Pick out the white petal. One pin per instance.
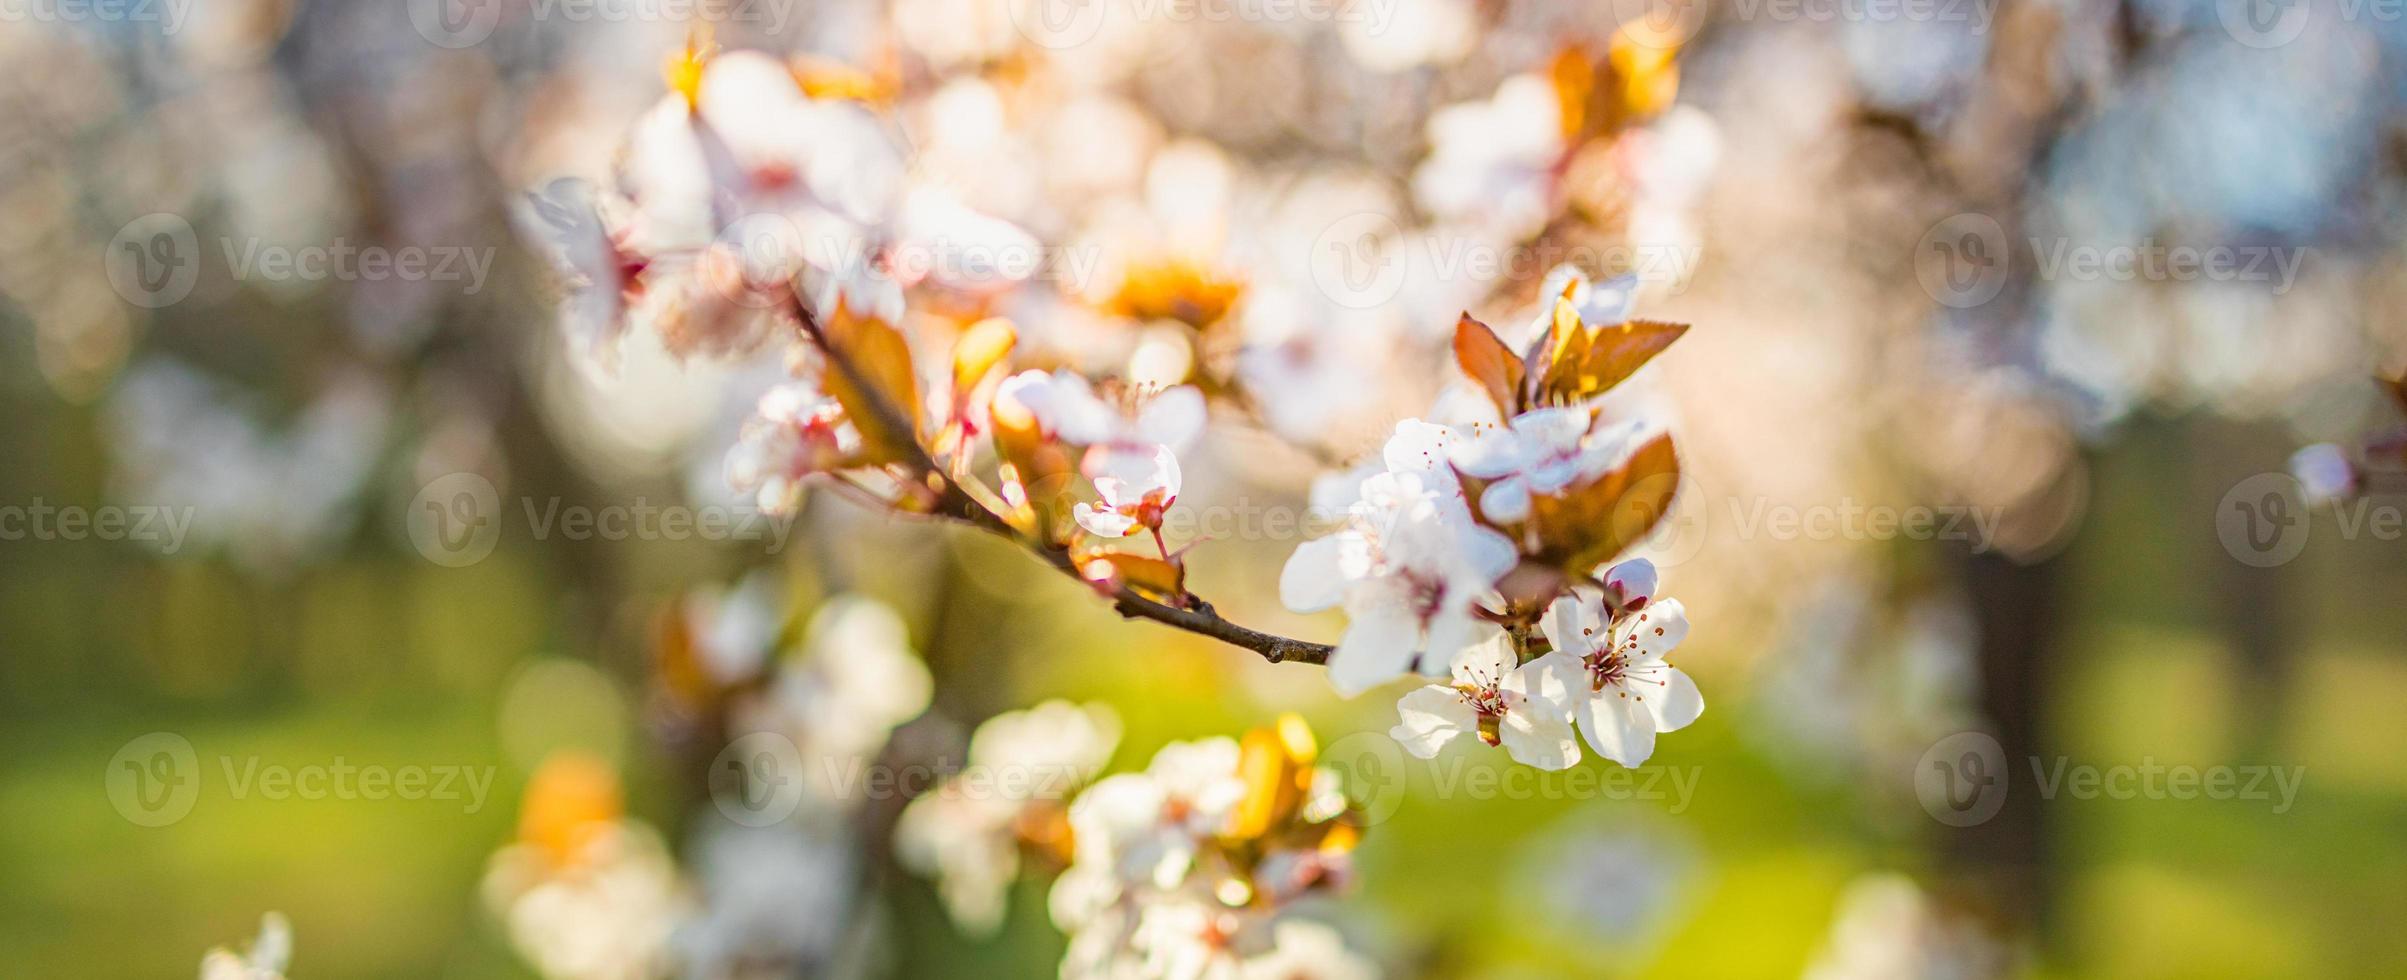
(1430, 717)
(1551, 685)
(1631, 582)
(1173, 418)
(1572, 623)
(1488, 555)
(1313, 579)
(1484, 664)
(1489, 452)
(1450, 632)
(1103, 523)
(1505, 501)
(1376, 648)
(1553, 431)
(1618, 727)
(1658, 628)
(1417, 447)
(1540, 741)
(1671, 697)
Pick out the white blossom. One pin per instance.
(1408, 565)
(1623, 691)
(267, 958)
(1522, 708)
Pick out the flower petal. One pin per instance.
(1489, 452)
(1430, 717)
(1173, 418)
(1417, 447)
(1314, 578)
(1618, 728)
(1631, 583)
(1673, 699)
(1485, 664)
(1537, 740)
(1657, 629)
(1550, 684)
(1103, 523)
(1377, 647)
(1505, 501)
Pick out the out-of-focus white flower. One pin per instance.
(266, 959)
(1597, 303)
(1887, 928)
(964, 833)
(1411, 33)
(603, 914)
(1540, 452)
(2324, 473)
(1407, 564)
(1524, 709)
(1302, 949)
(1491, 162)
(775, 900)
(1130, 505)
(797, 431)
(1122, 438)
(582, 231)
(842, 694)
(273, 499)
(1623, 692)
(1145, 828)
(734, 631)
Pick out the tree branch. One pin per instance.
(1199, 618)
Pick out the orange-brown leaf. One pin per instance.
(1594, 523)
(878, 351)
(1491, 365)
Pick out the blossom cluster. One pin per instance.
(768, 207)
(1190, 867)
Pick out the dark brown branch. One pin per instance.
(1197, 617)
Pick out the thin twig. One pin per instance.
(1197, 617)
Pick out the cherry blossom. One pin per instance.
(2324, 473)
(798, 431)
(1540, 452)
(1408, 565)
(1122, 435)
(1623, 693)
(265, 960)
(1132, 505)
(1524, 709)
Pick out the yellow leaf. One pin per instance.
(1589, 362)
(983, 346)
(1163, 581)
